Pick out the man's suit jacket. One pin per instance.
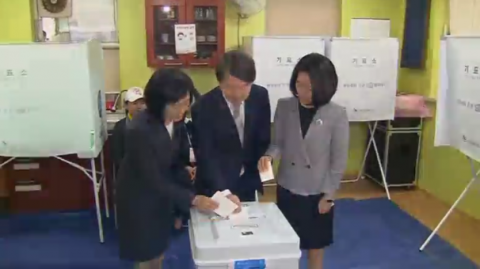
(219, 152)
(315, 163)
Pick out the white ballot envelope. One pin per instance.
(225, 205)
(267, 174)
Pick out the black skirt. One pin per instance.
(314, 229)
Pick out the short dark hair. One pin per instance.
(166, 86)
(194, 95)
(238, 64)
(323, 77)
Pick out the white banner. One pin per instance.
(462, 96)
(367, 70)
(275, 58)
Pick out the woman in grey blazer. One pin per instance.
(311, 136)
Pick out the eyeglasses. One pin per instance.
(303, 87)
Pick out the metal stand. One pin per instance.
(371, 141)
(97, 182)
(474, 178)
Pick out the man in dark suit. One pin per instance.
(232, 130)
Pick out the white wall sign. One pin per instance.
(185, 38)
(367, 71)
(462, 96)
(369, 28)
(275, 58)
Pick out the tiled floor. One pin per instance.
(461, 230)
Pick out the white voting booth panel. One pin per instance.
(458, 106)
(264, 240)
(275, 57)
(459, 96)
(367, 72)
(52, 100)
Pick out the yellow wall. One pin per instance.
(443, 172)
(16, 24)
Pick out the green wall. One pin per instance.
(16, 24)
(443, 172)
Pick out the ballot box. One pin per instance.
(260, 238)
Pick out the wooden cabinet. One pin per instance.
(161, 17)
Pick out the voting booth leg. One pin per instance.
(474, 178)
(104, 180)
(97, 185)
(362, 167)
(6, 162)
(382, 171)
(371, 142)
(92, 174)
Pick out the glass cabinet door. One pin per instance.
(205, 15)
(161, 36)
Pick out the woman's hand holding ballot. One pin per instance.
(204, 203)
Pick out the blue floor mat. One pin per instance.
(369, 234)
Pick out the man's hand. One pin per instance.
(204, 203)
(192, 171)
(263, 163)
(324, 206)
(236, 200)
(178, 223)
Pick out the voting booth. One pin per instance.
(52, 100)
(457, 123)
(263, 238)
(52, 103)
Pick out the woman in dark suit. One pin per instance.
(311, 136)
(186, 158)
(149, 184)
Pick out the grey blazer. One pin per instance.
(314, 164)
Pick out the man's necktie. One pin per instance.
(238, 121)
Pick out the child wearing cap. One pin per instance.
(134, 102)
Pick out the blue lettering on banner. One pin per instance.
(250, 264)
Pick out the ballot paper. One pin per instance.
(225, 205)
(240, 217)
(267, 174)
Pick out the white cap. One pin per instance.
(133, 94)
